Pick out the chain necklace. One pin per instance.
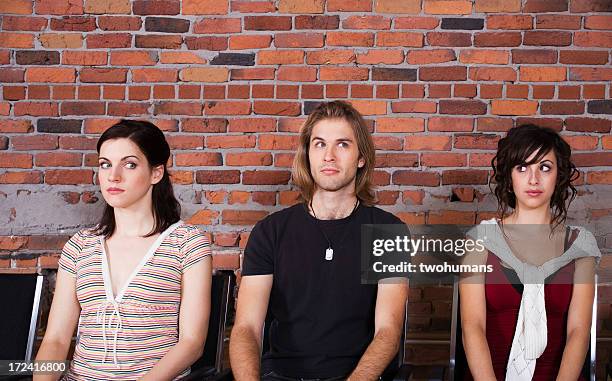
(329, 252)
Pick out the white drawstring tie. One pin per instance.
(101, 319)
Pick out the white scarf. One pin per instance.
(530, 336)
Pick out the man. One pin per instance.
(302, 265)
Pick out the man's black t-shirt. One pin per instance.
(323, 317)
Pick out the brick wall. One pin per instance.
(231, 82)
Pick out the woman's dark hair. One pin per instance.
(151, 141)
(514, 149)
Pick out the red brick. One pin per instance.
(427, 143)
(583, 6)
(15, 126)
(534, 56)
(111, 40)
(520, 22)
(558, 22)
(267, 23)
(317, 22)
(539, 6)
(465, 90)
(387, 143)
(542, 74)
(254, 73)
(76, 142)
(476, 141)
(593, 91)
(16, 7)
(120, 23)
(231, 141)
(463, 107)
(242, 217)
(205, 7)
(582, 143)
(450, 124)
(561, 108)
(203, 217)
(569, 92)
(449, 39)
(15, 160)
(399, 39)
(447, 7)
(497, 39)
(413, 107)
(443, 73)
(362, 91)
(492, 74)
(349, 39)
(178, 108)
(439, 159)
(595, 39)
(200, 43)
(185, 142)
(82, 108)
(74, 23)
(583, 57)
(330, 57)
(547, 38)
(59, 7)
(419, 57)
(36, 109)
(27, 177)
(301, 6)
(154, 75)
(264, 177)
(218, 25)
(554, 123)
(343, 74)
(370, 107)
(272, 57)
(388, 160)
(204, 125)
(252, 125)
(419, 178)
(198, 159)
(57, 159)
(599, 177)
(133, 58)
(367, 22)
(298, 40)
(69, 176)
(517, 91)
(598, 22)
(297, 74)
(513, 107)
(253, 6)
(390, 6)
(493, 6)
(374, 57)
(447, 217)
(588, 125)
(276, 108)
(227, 108)
(416, 23)
(129, 109)
(84, 58)
(439, 91)
(16, 40)
(464, 176)
(13, 93)
(178, 58)
(249, 159)
(598, 159)
(349, 5)
(20, 23)
(400, 125)
(103, 75)
(484, 56)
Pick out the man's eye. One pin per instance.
(104, 165)
(130, 165)
(319, 144)
(343, 144)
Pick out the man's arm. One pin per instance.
(389, 322)
(245, 341)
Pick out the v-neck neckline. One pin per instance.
(107, 280)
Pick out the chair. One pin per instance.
(210, 365)
(458, 362)
(21, 294)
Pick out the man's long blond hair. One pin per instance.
(301, 174)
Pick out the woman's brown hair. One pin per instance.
(301, 175)
(514, 149)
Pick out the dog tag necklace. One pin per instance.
(329, 252)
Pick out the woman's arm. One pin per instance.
(578, 320)
(193, 323)
(474, 318)
(63, 319)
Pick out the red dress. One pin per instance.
(503, 299)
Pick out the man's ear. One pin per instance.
(157, 174)
(361, 162)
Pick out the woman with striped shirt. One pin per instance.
(138, 283)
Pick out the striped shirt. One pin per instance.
(124, 336)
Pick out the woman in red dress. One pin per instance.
(529, 318)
